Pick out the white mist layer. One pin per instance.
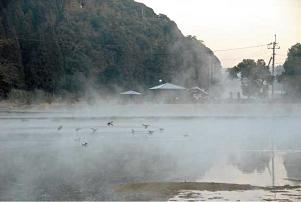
(157, 110)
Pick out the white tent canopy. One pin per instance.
(131, 92)
(167, 86)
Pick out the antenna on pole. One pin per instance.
(273, 46)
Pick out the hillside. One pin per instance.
(68, 46)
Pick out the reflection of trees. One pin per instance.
(292, 164)
(250, 162)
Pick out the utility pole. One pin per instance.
(273, 46)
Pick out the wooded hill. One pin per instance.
(69, 46)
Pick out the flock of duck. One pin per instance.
(146, 131)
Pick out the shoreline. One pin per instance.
(151, 111)
(167, 190)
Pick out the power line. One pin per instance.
(246, 47)
(221, 50)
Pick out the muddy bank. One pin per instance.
(165, 191)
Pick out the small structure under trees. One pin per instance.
(168, 92)
(130, 96)
(168, 86)
(131, 93)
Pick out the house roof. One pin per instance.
(131, 92)
(167, 86)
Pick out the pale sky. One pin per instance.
(227, 24)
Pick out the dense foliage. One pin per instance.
(255, 77)
(291, 77)
(69, 46)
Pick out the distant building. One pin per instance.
(130, 97)
(168, 86)
(169, 93)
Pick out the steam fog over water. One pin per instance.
(43, 158)
(109, 100)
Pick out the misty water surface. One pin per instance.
(42, 157)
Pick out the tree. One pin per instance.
(255, 77)
(291, 77)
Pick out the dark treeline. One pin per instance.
(69, 46)
(291, 77)
(256, 77)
